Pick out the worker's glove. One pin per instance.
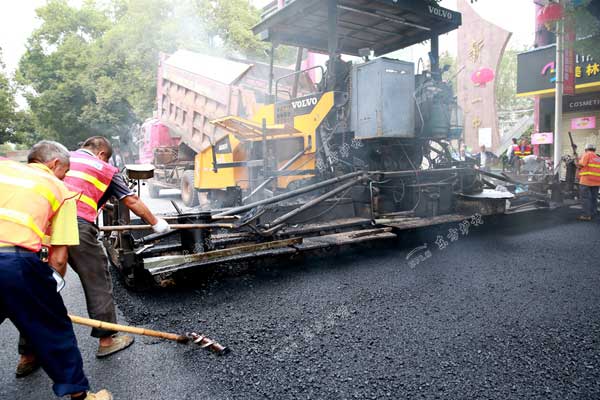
(161, 226)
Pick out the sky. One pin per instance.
(517, 16)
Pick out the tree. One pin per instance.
(231, 21)
(54, 68)
(506, 84)
(92, 70)
(586, 17)
(7, 105)
(450, 75)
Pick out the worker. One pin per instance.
(38, 220)
(589, 182)
(524, 149)
(485, 158)
(98, 181)
(513, 151)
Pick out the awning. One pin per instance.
(381, 25)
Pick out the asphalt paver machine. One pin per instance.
(364, 156)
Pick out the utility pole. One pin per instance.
(558, 95)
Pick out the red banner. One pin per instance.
(569, 58)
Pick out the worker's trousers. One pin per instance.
(90, 262)
(29, 299)
(589, 198)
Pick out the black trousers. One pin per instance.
(589, 198)
(29, 299)
(90, 262)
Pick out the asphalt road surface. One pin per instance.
(510, 310)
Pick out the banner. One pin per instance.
(569, 59)
(542, 138)
(583, 123)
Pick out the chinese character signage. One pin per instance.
(480, 48)
(536, 72)
(583, 123)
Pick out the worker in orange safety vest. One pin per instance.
(589, 182)
(37, 224)
(512, 154)
(98, 181)
(523, 150)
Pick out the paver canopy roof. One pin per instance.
(381, 25)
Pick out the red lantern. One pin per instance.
(549, 14)
(482, 76)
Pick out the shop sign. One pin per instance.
(542, 138)
(536, 71)
(583, 123)
(584, 102)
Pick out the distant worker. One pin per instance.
(38, 220)
(524, 149)
(485, 158)
(116, 160)
(513, 159)
(99, 181)
(589, 182)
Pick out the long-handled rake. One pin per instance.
(201, 340)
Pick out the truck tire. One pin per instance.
(188, 191)
(153, 190)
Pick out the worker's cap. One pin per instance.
(590, 146)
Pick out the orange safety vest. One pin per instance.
(516, 150)
(29, 198)
(526, 151)
(590, 174)
(91, 177)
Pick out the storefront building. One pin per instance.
(536, 77)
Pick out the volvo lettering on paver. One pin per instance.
(440, 12)
(311, 101)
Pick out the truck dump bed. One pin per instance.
(193, 89)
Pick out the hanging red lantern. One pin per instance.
(551, 13)
(482, 76)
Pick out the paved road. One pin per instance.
(163, 204)
(509, 311)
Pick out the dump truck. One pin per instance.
(192, 90)
(365, 155)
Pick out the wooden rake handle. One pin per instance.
(128, 329)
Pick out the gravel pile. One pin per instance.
(505, 312)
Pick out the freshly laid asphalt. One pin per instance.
(509, 311)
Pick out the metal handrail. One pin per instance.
(295, 73)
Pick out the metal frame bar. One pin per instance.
(285, 196)
(332, 41)
(276, 224)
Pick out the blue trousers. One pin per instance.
(29, 299)
(589, 197)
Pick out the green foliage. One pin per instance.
(7, 105)
(231, 21)
(24, 131)
(587, 24)
(15, 126)
(506, 84)
(54, 67)
(92, 70)
(450, 75)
